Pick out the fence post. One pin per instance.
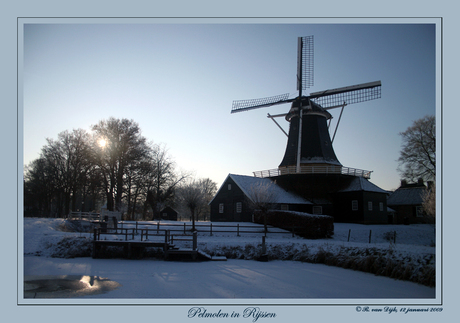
(166, 242)
(136, 227)
(211, 229)
(395, 238)
(370, 234)
(184, 227)
(158, 227)
(195, 244)
(238, 229)
(264, 248)
(349, 232)
(133, 232)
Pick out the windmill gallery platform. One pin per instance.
(134, 244)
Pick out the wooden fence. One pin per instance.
(210, 228)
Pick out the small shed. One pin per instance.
(407, 201)
(362, 202)
(168, 213)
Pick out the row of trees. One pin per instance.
(116, 165)
(112, 164)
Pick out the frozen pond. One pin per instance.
(232, 279)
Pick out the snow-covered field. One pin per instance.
(280, 278)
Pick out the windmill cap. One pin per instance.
(309, 107)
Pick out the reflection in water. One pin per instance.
(66, 286)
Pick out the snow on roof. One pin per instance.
(362, 184)
(245, 183)
(407, 196)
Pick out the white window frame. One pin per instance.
(239, 207)
(369, 206)
(354, 205)
(229, 186)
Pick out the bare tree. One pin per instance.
(117, 144)
(209, 188)
(67, 159)
(429, 200)
(63, 174)
(418, 155)
(262, 197)
(192, 195)
(162, 181)
(39, 188)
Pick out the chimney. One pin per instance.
(403, 183)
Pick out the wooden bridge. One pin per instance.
(133, 243)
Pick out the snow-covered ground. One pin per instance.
(279, 278)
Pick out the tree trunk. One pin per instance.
(193, 219)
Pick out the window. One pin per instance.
(221, 207)
(419, 211)
(229, 186)
(317, 209)
(284, 207)
(239, 207)
(381, 206)
(354, 205)
(369, 205)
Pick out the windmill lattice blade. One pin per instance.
(305, 63)
(244, 105)
(349, 95)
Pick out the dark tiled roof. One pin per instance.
(362, 184)
(245, 183)
(407, 196)
(282, 196)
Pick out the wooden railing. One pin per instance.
(89, 216)
(314, 170)
(150, 228)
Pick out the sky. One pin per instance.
(178, 81)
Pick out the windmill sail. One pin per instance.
(349, 95)
(244, 105)
(305, 63)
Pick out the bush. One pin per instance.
(310, 226)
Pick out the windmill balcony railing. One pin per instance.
(314, 170)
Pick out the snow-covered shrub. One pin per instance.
(71, 247)
(75, 226)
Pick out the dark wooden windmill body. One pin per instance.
(316, 147)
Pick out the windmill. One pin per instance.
(309, 142)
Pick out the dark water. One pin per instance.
(66, 286)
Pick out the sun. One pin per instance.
(102, 142)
